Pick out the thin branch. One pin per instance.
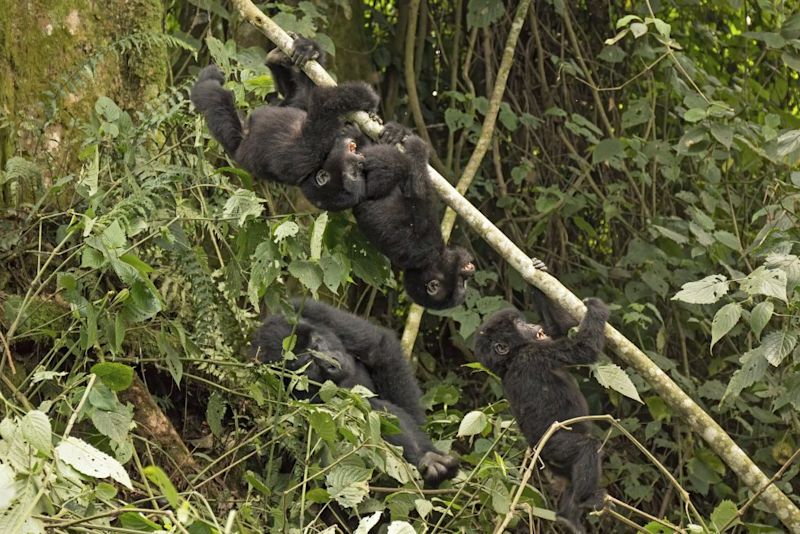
(683, 405)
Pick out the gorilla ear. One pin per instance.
(500, 348)
(322, 177)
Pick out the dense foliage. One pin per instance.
(648, 153)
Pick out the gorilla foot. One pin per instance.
(436, 467)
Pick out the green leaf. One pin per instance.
(400, 527)
(725, 319)
(308, 273)
(334, 271)
(706, 291)
(722, 133)
(8, 486)
(90, 461)
(501, 499)
(117, 376)
(694, 115)
(754, 365)
(318, 495)
(472, 423)
(483, 13)
(723, 514)
(768, 282)
(612, 376)
(671, 234)
(286, 229)
(457, 119)
(115, 425)
(36, 430)
(771, 39)
(777, 345)
(316, 235)
(627, 19)
(728, 239)
(323, 424)
(264, 271)
(215, 410)
(607, 149)
(791, 61)
(136, 521)
(367, 523)
(661, 27)
(638, 29)
(158, 477)
(242, 206)
(760, 316)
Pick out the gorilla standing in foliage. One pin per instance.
(341, 347)
(531, 362)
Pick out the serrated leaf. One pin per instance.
(396, 467)
(367, 523)
(472, 423)
(308, 273)
(242, 206)
(400, 527)
(723, 514)
(115, 425)
(316, 235)
(36, 430)
(286, 229)
(117, 376)
(215, 411)
(706, 291)
(760, 316)
(671, 234)
(323, 424)
(725, 319)
(768, 282)
(90, 461)
(728, 239)
(777, 345)
(158, 477)
(612, 376)
(8, 486)
(607, 149)
(754, 365)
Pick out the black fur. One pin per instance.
(540, 391)
(404, 226)
(300, 142)
(341, 347)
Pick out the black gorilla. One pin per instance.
(530, 361)
(341, 347)
(300, 142)
(404, 226)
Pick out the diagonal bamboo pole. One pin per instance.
(702, 424)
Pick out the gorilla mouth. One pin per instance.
(541, 335)
(352, 147)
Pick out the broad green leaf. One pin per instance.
(722, 133)
(158, 477)
(309, 273)
(768, 282)
(242, 206)
(771, 39)
(400, 527)
(90, 461)
(115, 425)
(323, 424)
(662, 27)
(316, 235)
(36, 430)
(472, 423)
(791, 61)
(334, 271)
(457, 119)
(638, 29)
(694, 115)
(627, 19)
(318, 495)
(728, 239)
(725, 319)
(501, 500)
(760, 316)
(136, 521)
(777, 345)
(614, 377)
(706, 291)
(397, 468)
(8, 486)
(671, 234)
(286, 229)
(424, 507)
(117, 376)
(754, 365)
(723, 514)
(215, 410)
(367, 523)
(607, 149)
(264, 271)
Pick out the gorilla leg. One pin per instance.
(217, 104)
(575, 456)
(432, 464)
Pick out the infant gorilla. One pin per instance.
(540, 391)
(341, 347)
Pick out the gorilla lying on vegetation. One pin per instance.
(531, 362)
(341, 347)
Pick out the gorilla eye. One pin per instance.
(500, 348)
(322, 178)
(432, 287)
